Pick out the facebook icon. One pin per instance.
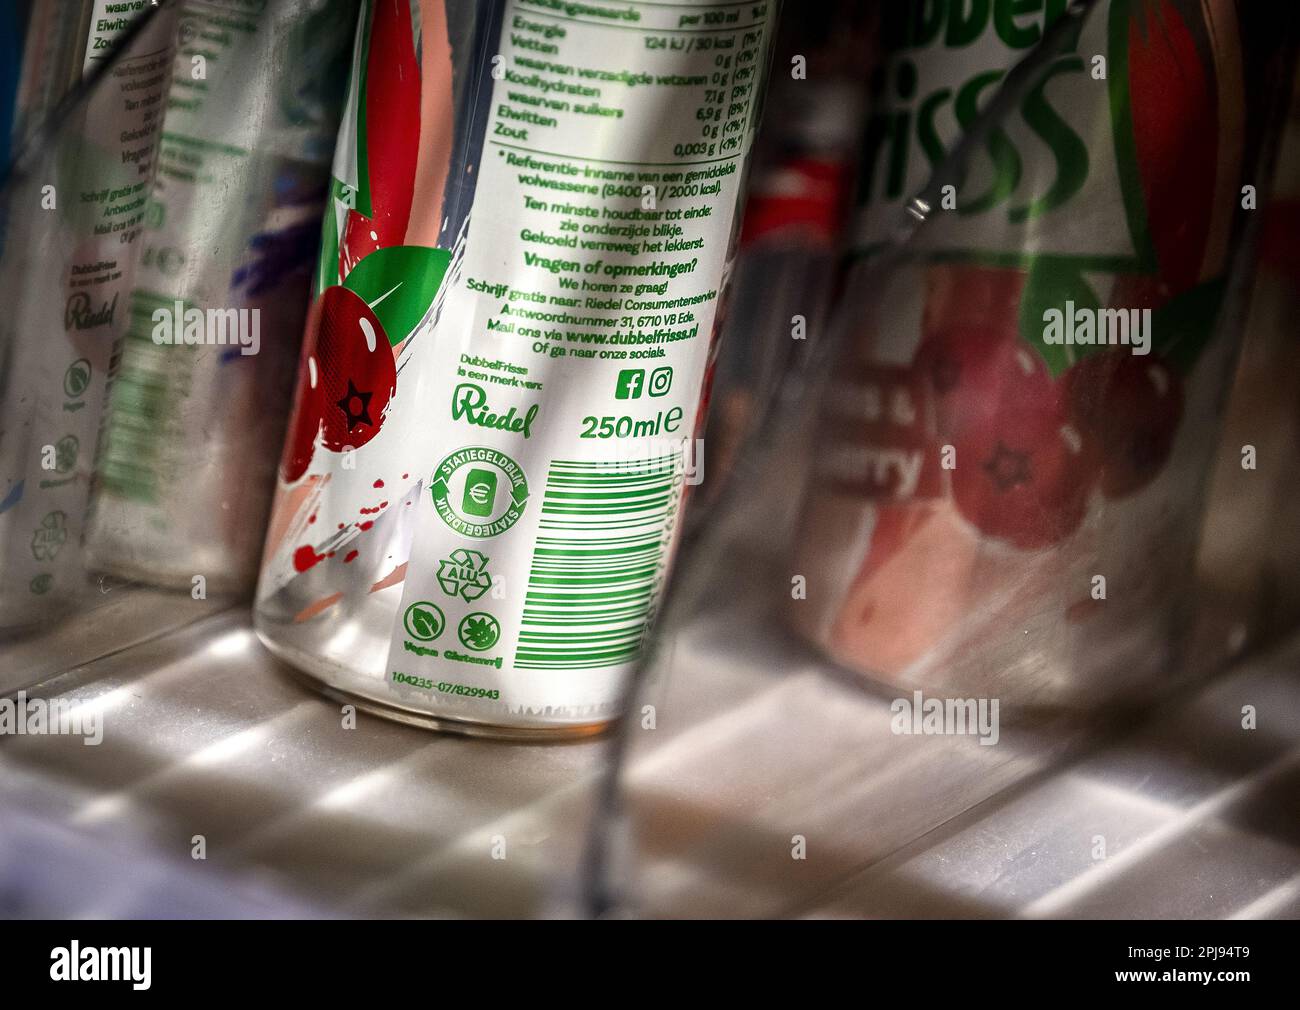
(630, 381)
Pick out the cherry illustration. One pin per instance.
(1129, 407)
(973, 372)
(1023, 474)
(358, 375)
(1025, 477)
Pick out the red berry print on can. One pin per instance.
(358, 374)
(1127, 407)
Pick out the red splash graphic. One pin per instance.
(349, 556)
(365, 525)
(378, 483)
(305, 556)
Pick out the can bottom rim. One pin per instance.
(427, 720)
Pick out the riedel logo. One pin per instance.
(76, 963)
(80, 314)
(469, 403)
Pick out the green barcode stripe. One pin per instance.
(594, 577)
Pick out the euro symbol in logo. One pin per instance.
(480, 492)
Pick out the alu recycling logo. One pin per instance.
(464, 573)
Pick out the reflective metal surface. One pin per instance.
(206, 735)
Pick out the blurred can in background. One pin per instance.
(534, 206)
(1250, 550)
(791, 240)
(1012, 457)
(76, 204)
(200, 391)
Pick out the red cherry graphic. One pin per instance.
(304, 423)
(1022, 474)
(357, 373)
(975, 372)
(360, 238)
(1025, 478)
(1128, 407)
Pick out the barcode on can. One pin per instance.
(600, 556)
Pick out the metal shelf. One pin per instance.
(206, 734)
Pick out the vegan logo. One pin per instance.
(469, 403)
(464, 574)
(424, 621)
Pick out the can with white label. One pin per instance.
(533, 209)
(199, 393)
(77, 196)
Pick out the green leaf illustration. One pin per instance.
(425, 623)
(399, 283)
(1052, 282)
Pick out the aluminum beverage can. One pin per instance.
(533, 211)
(77, 205)
(1009, 488)
(199, 394)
